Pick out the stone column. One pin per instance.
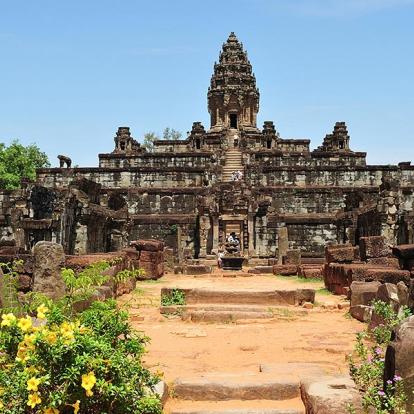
(215, 233)
(81, 241)
(250, 229)
(283, 243)
(204, 229)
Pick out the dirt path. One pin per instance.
(322, 335)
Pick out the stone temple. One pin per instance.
(186, 192)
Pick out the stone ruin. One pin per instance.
(284, 196)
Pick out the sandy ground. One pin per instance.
(185, 349)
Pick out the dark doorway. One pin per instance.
(198, 144)
(269, 144)
(233, 121)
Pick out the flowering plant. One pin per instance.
(367, 363)
(56, 364)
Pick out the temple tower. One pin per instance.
(233, 99)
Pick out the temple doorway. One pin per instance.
(233, 121)
(234, 228)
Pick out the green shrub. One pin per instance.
(89, 365)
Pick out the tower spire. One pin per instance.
(233, 98)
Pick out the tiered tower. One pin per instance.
(233, 99)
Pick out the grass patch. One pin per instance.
(299, 279)
(174, 297)
(324, 291)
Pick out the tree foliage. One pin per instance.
(169, 134)
(18, 161)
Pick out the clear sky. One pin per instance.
(72, 71)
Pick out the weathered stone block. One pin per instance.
(330, 395)
(363, 293)
(384, 262)
(151, 270)
(404, 251)
(149, 256)
(149, 245)
(24, 283)
(197, 269)
(48, 262)
(373, 246)
(388, 293)
(399, 358)
(361, 313)
(261, 270)
(292, 257)
(285, 270)
(341, 253)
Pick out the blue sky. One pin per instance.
(73, 71)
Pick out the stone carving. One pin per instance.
(49, 259)
(64, 160)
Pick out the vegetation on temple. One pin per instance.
(18, 161)
(169, 134)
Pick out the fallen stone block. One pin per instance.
(261, 270)
(292, 257)
(149, 245)
(330, 395)
(388, 293)
(373, 246)
(24, 283)
(404, 251)
(197, 269)
(150, 256)
(399, 358)
(285, 270)
(341, 253)
(384, 262)
(361, 313)
(363, 293)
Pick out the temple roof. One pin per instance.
(233, 69)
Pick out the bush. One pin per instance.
(89, 365)
(367, 364)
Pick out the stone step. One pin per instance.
(243, 297)
(237, 387)
(291, 406)
(232, 313)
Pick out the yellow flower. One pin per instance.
(7, 319)
(51, 338)
(25, 323)
(88, 382)
(22, 354)
(51, 410)
(1, 405)
(32, 384)
(33, 400)
(76, 407)
(29, 339)
(41, 311)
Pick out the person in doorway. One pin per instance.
(220, 256)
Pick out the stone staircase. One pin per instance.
(268, 389)
(233, 158)
(233, 306)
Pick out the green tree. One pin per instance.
(149, 139)
(18, 161)
(171, 134)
